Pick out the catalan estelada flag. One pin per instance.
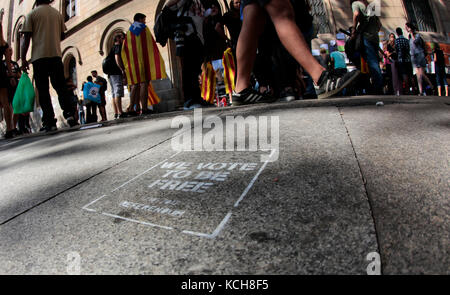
(229, 72)
(153, 98)
(364, 66)
(208, 79)
(141, 57)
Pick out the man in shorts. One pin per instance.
(116, 77)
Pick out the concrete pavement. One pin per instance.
(351, 179)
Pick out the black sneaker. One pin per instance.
(9, 134)
(146, 112)
(326, 88)
(251, 96)
(49, 128)
(116, 116)
(287, 95)
(123, 115)
(71, 121)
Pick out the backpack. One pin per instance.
(163, 28)
(109, 63)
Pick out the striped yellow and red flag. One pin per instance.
(153, 98)
(141, 58)
(229, 70)
(364, 66)
(208, 78)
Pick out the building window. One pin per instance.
(73, 70)
(320, 15)
(70, 9)
(419, 12)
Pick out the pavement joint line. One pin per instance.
(83, 181)
(308, 103)
(366, 191)
(154, 166)
(252, 182)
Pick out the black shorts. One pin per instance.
(4, 81)
(261, 3)
(405, 68)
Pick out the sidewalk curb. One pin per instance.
(311, 103)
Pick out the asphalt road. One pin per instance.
(337, 180)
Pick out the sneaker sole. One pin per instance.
(337, 90)
(287, 99)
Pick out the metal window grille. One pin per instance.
(320, 15)
(419, 12)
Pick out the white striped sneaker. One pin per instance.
(251, 96)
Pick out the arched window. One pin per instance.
(16, 35)
(72, 68)
(70, 9)
(110, 40)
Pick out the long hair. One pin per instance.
(412, 26)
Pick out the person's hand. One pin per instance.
(25, 67)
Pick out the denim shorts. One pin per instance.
(419, 60)
(116, 82)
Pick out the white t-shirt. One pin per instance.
(46, 25)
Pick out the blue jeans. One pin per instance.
(371, 55)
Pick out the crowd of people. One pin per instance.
(269, 43)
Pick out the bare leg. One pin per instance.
(283, 18)
(252, 28)
(446, 90)
(8, 111)
(116, 109)
(420, 80)
(439, 90)
(143, 94)
(134, 98)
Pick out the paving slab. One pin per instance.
(403, 151)
(145, 212)
(32, 170)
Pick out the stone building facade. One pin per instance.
(92, 24)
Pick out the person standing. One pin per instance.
(232, 20)
(192, 55)
(392, 55)
(418, 56)
(99, 80)
(404, 66)
(441, 77)
(148, 65)
(116, 76)
(368, 26)
(5, 81)
(44, 26)
(14, 76)
(338, 63)
(90, 101)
